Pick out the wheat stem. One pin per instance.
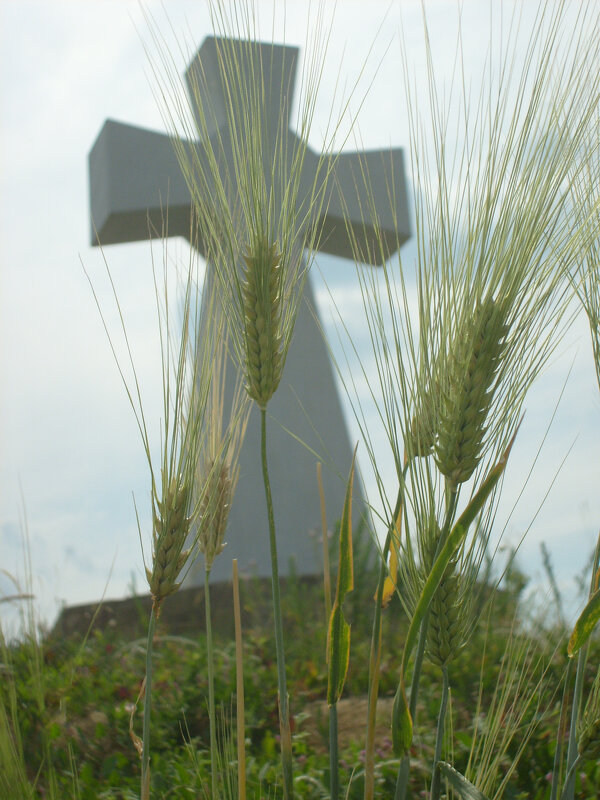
(562, 723)
(374, 664)
(334, 786)
(436, 782)
(284, 714)
(239, 663)
(375, 654)
(569, 788)
(404, 770)
(211, 687)
(145, 787)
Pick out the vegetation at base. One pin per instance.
(74, 702)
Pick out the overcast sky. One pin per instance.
(70, 454)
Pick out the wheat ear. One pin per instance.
(171, 525)
(445, 634)
(214, 509)
(467, 390)
(262, 316)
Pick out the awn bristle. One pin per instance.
(214, 510)
(262, 311)
(420, 437)
(171, 526)
(466, 391)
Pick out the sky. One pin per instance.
(70, 453)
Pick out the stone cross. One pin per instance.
(134, 173)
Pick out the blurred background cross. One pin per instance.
(136, 181)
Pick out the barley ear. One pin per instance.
(214, 509)
(444, 634)
(467, 390)
(262, 291)
(445, 626)
(171, 525)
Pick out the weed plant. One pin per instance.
(479, 704)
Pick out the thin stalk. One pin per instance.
(145, 788)
(404, 770)
(562, 724)
(375, 654)
(419, 656)
(374, 663)
(436, 782)
(326, 571)
(239, 670)
(211, 688)
(333, 753)
(284, 715)
(569, 787)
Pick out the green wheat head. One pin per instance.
(170, 529)
(216, 500)
(262, 313)
(466, 390)
(446, 612)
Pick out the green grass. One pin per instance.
(73, 705)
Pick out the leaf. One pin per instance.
(338, 639)
(137, 742)
(401, 717)
(585, 624)
(391, 581)
(402, 727)
(458, 782)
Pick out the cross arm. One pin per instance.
(136, 186)
(367, 194)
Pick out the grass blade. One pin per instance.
(463, 788)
